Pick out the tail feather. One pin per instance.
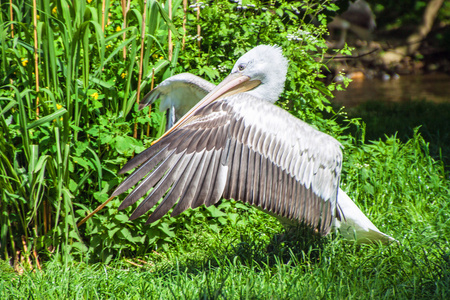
(355, 225)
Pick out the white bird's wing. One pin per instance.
(241, 148)
(181, 91)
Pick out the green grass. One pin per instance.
(386, 119)
(402, 190)
(337, 270)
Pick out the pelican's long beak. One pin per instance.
(232, 84)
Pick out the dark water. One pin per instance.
(400, 106)
(430, 87)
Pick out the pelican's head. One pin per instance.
(266, 64)
(261, 72)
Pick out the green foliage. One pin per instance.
(211, 265)
(400, 182)
(403, 191)
(60, 139)
(404, 13)
(227, 30)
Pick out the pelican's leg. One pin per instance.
(170, 117)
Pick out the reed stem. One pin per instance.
(183, 42)
(103, 15)
(150, 108)
(170, 54)
(11, 17)
(36, 57)
(140, 62)
(199, 28)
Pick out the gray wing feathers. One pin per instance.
(231, 148)
(149, 181)
(170, 199)
(187, 191)
(299, 166)
(164, 175)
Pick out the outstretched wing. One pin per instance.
(241, 148)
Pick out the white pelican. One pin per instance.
(235, 143)
(358, 18)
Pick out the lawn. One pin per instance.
(404, 192)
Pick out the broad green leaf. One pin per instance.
(47, 118)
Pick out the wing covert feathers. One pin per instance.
(241, 148)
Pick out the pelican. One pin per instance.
(358, 18)
(235, 144)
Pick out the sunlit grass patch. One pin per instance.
(343, 270)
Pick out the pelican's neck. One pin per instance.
(269, 92)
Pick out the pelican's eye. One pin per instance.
(241, 67)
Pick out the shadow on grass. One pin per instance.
(408, 268)
(301, 245)
(300, 248)
(383, 119)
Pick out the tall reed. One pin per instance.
(68, 90)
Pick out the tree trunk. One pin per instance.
(429, 16)
(415, 40)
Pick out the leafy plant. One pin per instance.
(66, 110)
